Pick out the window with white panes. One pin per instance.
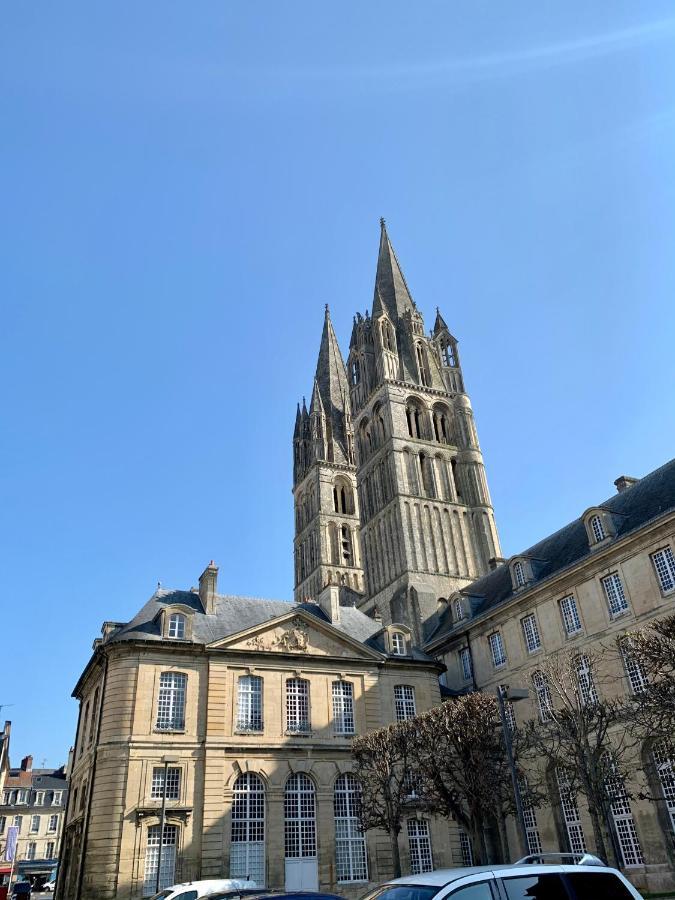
(297, 706)
(30, 852)
(34, 824)
(570, 615)
(172, 783)
(598, 529)
(587, 690)
(18, 822)
(531, 633)
(404, 702)
(497, 649)
(458, 609)
(168, 864)
(664, 564)
(171, 702)
(343, 707)
(622, 814)
(419, 842)
(53, 823)
(570, 811)
(177, 625)
(465, 849)
(250, 703)
(519, 574)
(616, 598)
(398, 643)
(300, 817)
(350, 843)
(57, 799)
(465, 663)
(637, 679)
(50, 850)
(247, 848)
(664, 765)
(542, 692)
(40, 798)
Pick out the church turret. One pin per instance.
(327, 549)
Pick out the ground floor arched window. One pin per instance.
(167, 866)
(247, 848)
(350, 844)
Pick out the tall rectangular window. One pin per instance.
(172, 783)
(570, 615)
(542, 690)
(49, 850)
(465, 849)
(57, 798)
(587, 691)
(622, 814)
(598, 529)
(634, 671)
(664, 564)
(465, 663)
(665, 772)
(616, 599)
(250, 703)
(570, 811)
(18, 821)
(34, 824)
(297, 706)
(404, 702)
(350, 844)
(421, 859)
(168, 864)
(531, 633)
(39, 798)
(497, 649)
(171, 701)
(53, 823)
(398, 643)
(343, 707)
(3, 824)
(30, 852)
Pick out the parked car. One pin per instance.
(49, 886)
(293, 895)
(191, 890)
(520, 881)
(22, 889)
(235, 894)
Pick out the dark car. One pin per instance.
(22, 889)
(235, 894)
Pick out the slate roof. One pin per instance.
(647, 499)
(235, 614)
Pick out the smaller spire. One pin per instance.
(316, 403)
(298, 423)
(439, 324)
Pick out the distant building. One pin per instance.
(35, 801)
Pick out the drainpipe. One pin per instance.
(85, 835)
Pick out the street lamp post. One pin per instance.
(514, 694)
(167, 760)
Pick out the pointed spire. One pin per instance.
(331, 374)
(298, 423)
(391, 291)
(316, 404)
(439, 324)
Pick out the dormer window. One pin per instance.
(597, 528)
(177, 626)
(519, 574)
(398, 643)
(458, 609)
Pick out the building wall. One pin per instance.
(631, 559)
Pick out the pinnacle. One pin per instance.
(391, 291)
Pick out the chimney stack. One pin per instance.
(623, 482)
(495, 561)
(208, 583)
(27, 764)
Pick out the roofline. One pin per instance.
(550, 579)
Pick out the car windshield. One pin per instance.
(163, 894)
(403, 892)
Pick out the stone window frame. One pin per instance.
(397, 628)
(176, 609)
(599, 521)
(664, 567)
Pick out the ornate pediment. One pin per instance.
(297, 634)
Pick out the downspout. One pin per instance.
(473, 668)
(61, 866)
(85, 835)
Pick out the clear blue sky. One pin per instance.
(184, 185)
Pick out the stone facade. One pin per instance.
(583, 593)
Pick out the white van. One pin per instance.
(191, 890)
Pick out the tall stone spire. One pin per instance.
(391, 291)
(333, 387)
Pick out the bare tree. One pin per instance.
(383, 766)
(582, 733)
(649, 655)
(458, 750)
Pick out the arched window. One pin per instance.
(365, 440)
(171, 701)
(177, 625)
(519, 574)
(356, 372)
(247, 851)
(350, 844)
(455, 478)
(458, 609)
(388, 337)
(419, 842)
(300, 817)
(343, 496)
(333, 544)
(343, 707)
(250, 703)
(570, 811)
(423, 365)
(598, 529)
(346, 542)
(450, 355)
(297, 706)
(427, 476)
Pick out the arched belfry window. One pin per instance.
(343, 497)
(427, 476)
(450, 355)
(247, 851)
(346, 543)
(441, 423)
(356, 372)
(415, 418)
(423, 365)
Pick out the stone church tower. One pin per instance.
(427, 524)
(327, 547)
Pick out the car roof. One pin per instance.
(441, 877)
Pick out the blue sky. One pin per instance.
(184, 185)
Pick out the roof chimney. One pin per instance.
(495, 561)
(208, 582)
(623, 482)
(27, 764)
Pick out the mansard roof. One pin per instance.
(634, 507)
(391, 291)
(236, 614)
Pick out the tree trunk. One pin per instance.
(477, 844)
(395, 852)
(598, 832)
(504, 839)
